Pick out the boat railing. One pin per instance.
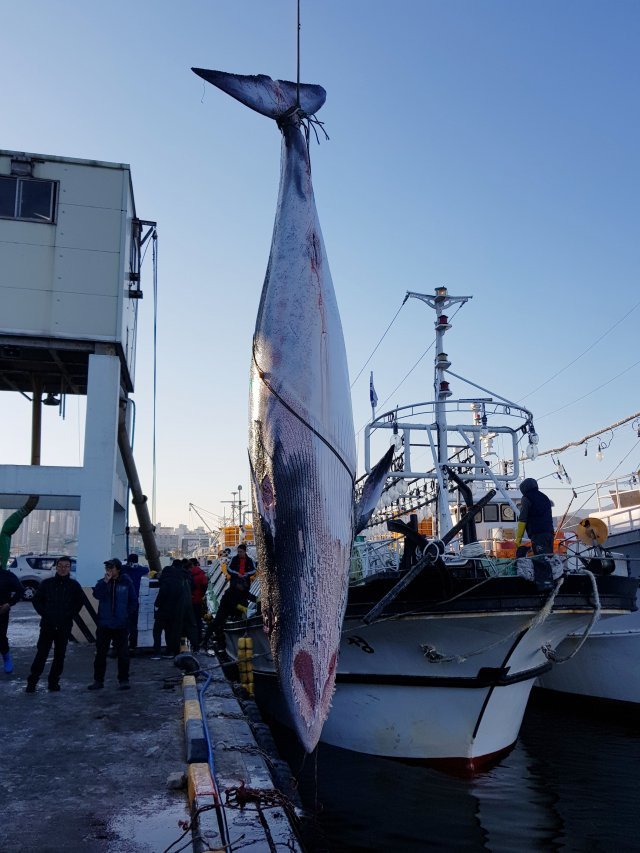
(373, 557)
(621, 493)
(492, 408)
(620, 520)
(416, 430)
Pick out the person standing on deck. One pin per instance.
(242, 571)
(535, 517)
(116, 601)
(57, 600)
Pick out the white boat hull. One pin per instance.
(607, 665)
(393, 700)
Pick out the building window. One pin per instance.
(27, 198)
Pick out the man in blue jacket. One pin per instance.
(116, 598)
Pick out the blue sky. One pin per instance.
(488, 146)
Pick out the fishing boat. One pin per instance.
(619, 508)
(606, 667)
(445, 632)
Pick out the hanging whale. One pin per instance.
(301, 435)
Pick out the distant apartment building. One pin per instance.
(46, 532)
(56, 532)
(173, 541)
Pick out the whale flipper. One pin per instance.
(373, 486)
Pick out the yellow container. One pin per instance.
(506, 549)
(425, 527)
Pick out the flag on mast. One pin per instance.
(373, 397)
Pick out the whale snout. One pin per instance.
(313, 689)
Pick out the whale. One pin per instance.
(301, 436)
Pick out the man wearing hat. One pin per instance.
(116, 598)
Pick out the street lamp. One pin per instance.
(239, 506)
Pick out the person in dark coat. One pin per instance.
(200, 583)
(174, 596)
(133, 570)
(58, 600)
(241, 571)
(188, 629)
(116, 601)
(11, 591)
(535, 517)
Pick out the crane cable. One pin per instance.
(155, 368)
(378, 344)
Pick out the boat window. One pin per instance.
(507, 513)
(490, 512)
(27, 198)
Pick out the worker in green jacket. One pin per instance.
(11, 589)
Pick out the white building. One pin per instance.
(70, 247)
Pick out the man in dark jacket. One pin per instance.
(57, 600)
(11, 591)
(116, 598)
(535, 517)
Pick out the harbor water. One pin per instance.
(570, 784)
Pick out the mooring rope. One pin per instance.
(433, 656)
(551, 654)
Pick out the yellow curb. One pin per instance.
(189, 681)
(200, 782)
(192, 710)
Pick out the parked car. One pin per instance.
(32, 569)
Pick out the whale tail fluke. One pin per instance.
(272, 98)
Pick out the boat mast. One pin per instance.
(440, 303)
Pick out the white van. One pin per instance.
(32, 569)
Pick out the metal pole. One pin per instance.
(139, 500)
(36, 421)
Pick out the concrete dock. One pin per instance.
(88, 771)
